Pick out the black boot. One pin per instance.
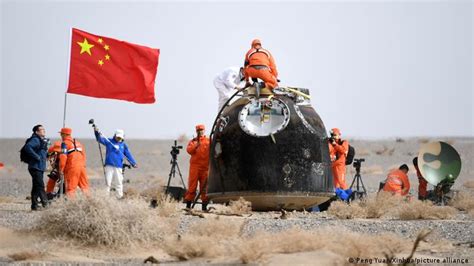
(188, 204)
(204, 206)
(50, 195)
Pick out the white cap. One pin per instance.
(120, 133)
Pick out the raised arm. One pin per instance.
(101, 139)
(342, 148)
(192, 147)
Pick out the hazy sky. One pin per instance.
(374, 69)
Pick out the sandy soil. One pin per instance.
(16, 220)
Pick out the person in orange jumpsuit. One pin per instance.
(53, 156)
(72, 163)
(259, 63)
(338, 150)
(422, 183)
(397, 181)
(198, 148)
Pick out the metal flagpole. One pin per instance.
(65, 105)
(67, 75)
(62, 183)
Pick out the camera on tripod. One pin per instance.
(358, 162)
(176, 192)
(358, 191)
(175, 149)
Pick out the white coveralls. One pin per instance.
(114, 179)
(226, 82)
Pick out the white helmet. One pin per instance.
(120, 133)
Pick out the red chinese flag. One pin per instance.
(102, 67)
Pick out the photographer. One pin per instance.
(198, 148)
(35, 150)
(338, 150)
(116, 150)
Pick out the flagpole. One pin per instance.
(67, 76)
(62, 182)
(65, 107)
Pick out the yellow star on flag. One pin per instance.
(85, 46)
(106, 47)
(101, 62)
(107, 57)
(100, 40)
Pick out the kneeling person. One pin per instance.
(397, 181)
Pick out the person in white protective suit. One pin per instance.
(227, 82)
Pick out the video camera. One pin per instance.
(175, 149)
(358, 162)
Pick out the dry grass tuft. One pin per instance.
(337, 240)
(384, 205)
(26, 255)
(167, 206)
(464, 201)
(221, 237)
(416, 209)
(208, 238)
(102, 220)
(343, 210)
(153, 192)
(240, 206)
(131, 193)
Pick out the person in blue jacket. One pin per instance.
(36, 148)
(116, 150)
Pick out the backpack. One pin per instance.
(350, 155)
(24, 155)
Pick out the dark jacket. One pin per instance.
(37, 150)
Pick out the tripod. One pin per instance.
(174, 167)
(360, 191)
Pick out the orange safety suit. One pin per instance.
(259, 63)
(338, 153)
(72, 162)
(56, 148)
(422, 185)
(199, 168)
(397, 183)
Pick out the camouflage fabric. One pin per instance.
(439, 162)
